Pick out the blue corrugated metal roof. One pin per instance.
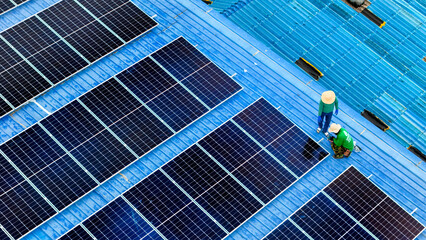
(262, 73)
(378, 69)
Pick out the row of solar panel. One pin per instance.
(51, 46)
(64, 156)
(9, 5)
(351, 207)
(211, 188)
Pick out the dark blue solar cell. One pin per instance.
(141, 131)
(230, 146)
(357, 233)
(117, 221)
(22, 208)
(66, 17)
(180, 58)
(20, 83)
(19, 1)
(297, 151)
(57, 62)
(110, 101)
(4, 107)
(63, 182)
(264, 176)
(6, 6)
(229, 203)
(72, 125)
(3, 234)
(8, 57)
(263, 121)
(390, 221)
(191, 223)
(128, 21)
(103, 156)
(30, 37)
(9, 177)
(322, 219)
(355, 193)
(194, 171)
(102, 7)
(211, 85)
(157, 198)
(146, 79)
(153, 235)
(32, 150)
(177, 107)
(94, 41)
(78, 233)
(286, 231)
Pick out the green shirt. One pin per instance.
(344, 139)
(327, 108)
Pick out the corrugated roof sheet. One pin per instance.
(378, 69)
(262, 73)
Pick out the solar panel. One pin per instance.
(69, 153)
(8, 5)
(60, 41)
(218, 183)
(350, 207)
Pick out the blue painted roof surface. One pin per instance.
(262, 73)
(378, 69)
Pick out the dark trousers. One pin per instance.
(340, 151)
(327, 117)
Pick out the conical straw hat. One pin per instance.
(328, 97)
(334, 128)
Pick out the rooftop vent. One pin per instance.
(417, 152)
(309, 68)
(375, 120)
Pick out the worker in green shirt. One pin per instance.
(342, 144)
(326, 106)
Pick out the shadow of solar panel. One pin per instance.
(61, 41)
(6, 6)
(72, 151)
(352, 207)
(218, 183)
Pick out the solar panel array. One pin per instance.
(215, 185)
(351, 207)
(69, 153)
(8, 5)
(51, 46)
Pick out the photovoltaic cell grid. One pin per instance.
(8, 5)
(51, 46)
(69, 153)
(215, 185)
(350, 207)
